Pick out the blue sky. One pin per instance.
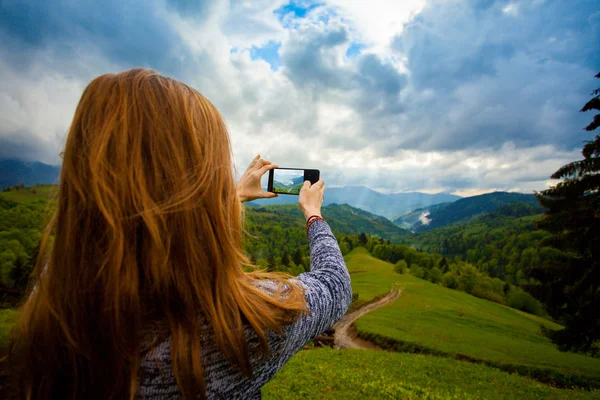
(462, 96)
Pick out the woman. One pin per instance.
(139, 287)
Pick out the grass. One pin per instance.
(450, 322)
(366, 374)
(30, 195)
(8, 318)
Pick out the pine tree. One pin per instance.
(285, 258)
(362, 238)
(271, 265)
(443, 265)
(297, 257)
(570, 284)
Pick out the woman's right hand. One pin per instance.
(311, 198)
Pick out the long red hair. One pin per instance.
(148, 228)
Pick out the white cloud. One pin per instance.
(377, 22)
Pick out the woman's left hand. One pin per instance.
(248, 188)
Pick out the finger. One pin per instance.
(320, 183)
(265, 168)
(306, 185)
(260, 163)
(254, 161)
(269, 195)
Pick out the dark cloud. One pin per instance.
(447, 45)
(312, 60)
(496, 74)
(130, 33)
(23, 146)
(191, 8)
(309, 61)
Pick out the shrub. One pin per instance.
(401, 267)
(483, 293)
(435, 275)
(417, 271)
(450, 280)
(525, 302)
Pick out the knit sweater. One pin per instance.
(328, 294)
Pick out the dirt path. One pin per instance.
(345, 338)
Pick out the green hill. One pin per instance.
(408, 220)
(342, 218)
(388, 205)
(466, 209)
(430, 318)
(502, 243)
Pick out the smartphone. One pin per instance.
(290, 180)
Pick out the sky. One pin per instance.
(457, 96)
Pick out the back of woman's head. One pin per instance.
(148, 228)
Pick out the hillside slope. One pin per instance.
(370, 374)
(342, 218)
(466, 209)
(430, 316)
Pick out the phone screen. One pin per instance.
(288, 181)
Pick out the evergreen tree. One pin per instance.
(297, 257)
(443, 265)
(570, 284)
(285, 258)
(362, 239)
(271, 265)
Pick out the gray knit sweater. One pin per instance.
(328, 295)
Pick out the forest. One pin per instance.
(484, 258)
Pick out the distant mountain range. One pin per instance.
(388, 205)
(391, 206)
(465, 210)
(413, 211)
(29, 173)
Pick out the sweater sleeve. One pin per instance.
(328, 291)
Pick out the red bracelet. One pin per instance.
(312, 219)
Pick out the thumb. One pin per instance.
(306, 185)
(271, 194)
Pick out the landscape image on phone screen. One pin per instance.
(288, 181)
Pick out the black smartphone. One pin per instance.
(290, 180)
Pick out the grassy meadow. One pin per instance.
(39, 195)
(431, 317)
(369, 374)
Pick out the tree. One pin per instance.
(285, 258)
(570, 283)
(401, 267)
(344, 248)
(443, 265)
(271, 265)
(435, 275)
(362, 239)
(297, 257)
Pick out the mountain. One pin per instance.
(28, 173)
(466, 209)
(388, 205)
(408, 220)
(342, 219)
